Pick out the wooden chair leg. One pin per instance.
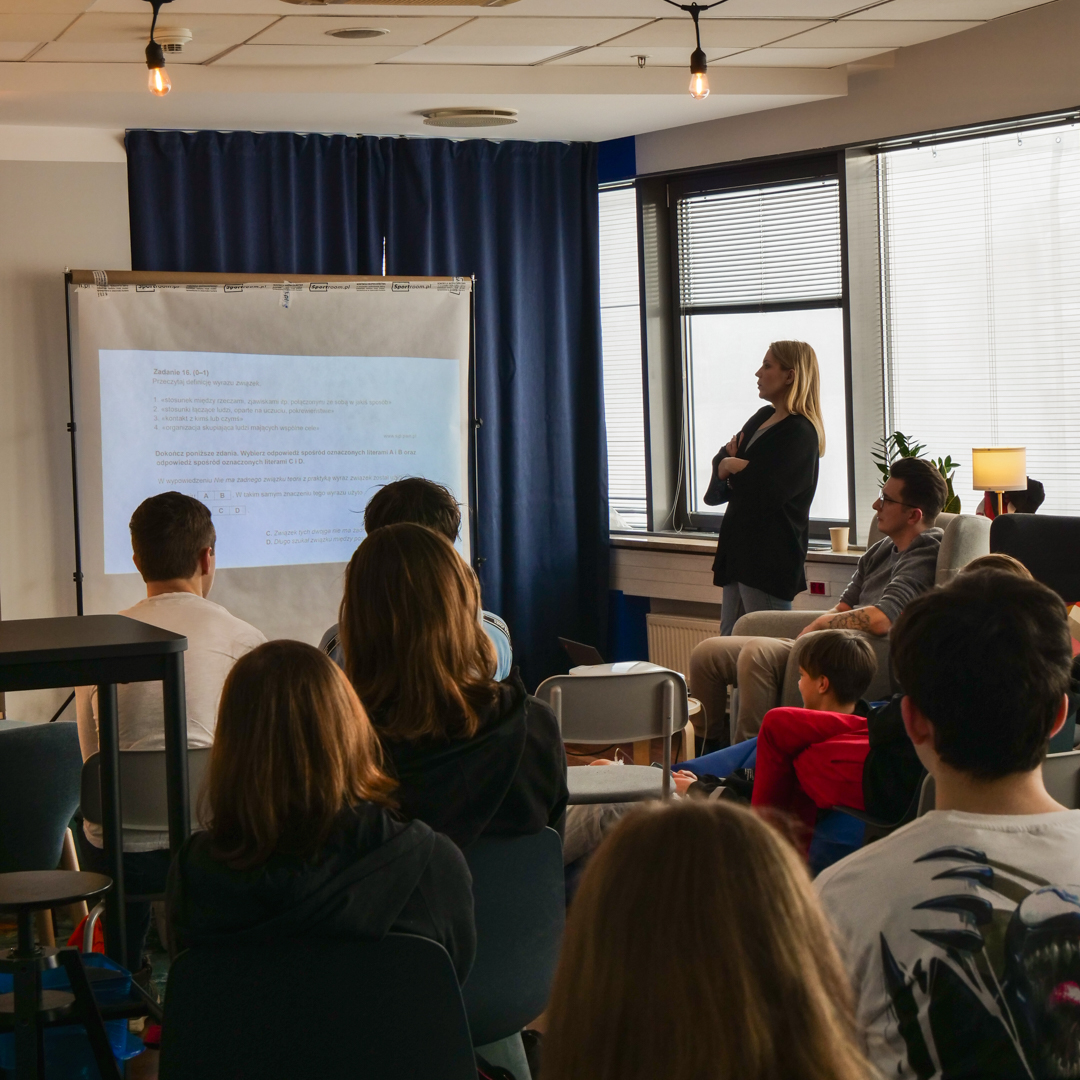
(69, 860)
(44, 925)
(689, 744)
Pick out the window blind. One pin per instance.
(980, 243)
(620, 318)
(772, 245)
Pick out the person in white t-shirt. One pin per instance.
(961, 931)
(172, 540)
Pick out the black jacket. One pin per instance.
(892, 772)
(766, 527)
(509, 779)
(374, 875)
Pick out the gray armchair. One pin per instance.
(966, 537)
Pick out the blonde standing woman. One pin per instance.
(765, 478)
(767, 475)
(696, 950)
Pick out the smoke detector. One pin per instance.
(357, 33)
(469, 118)
(172, 39)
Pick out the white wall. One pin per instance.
(53, 214)
(1017, 65)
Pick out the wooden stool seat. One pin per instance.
(34, 890)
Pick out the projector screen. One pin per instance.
(283, 408)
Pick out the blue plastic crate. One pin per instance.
(67, 1049)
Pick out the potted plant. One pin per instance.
(898, 445)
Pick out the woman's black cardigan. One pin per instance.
(766, 527)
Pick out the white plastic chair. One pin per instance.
(143, 801)
(607, 705)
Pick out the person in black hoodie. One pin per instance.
(302, 838)
(472, 757)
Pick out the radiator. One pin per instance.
(672, 638)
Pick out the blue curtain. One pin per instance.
(241, 202)
(522, 217)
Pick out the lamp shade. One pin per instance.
(999, 468)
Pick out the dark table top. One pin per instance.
(32, 890)
(85, 637)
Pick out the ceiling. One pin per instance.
(572, 68)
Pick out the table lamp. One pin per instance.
(1000, 469)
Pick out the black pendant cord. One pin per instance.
(154, 55)
(695, 10)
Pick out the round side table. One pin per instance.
(29, 1008)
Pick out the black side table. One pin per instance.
(37, 654)
(30, 1007)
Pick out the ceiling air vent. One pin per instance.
(357, 33)
(469, 118)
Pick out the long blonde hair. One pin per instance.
(759, 994)
(804, 394)
(292, 749)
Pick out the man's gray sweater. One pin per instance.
(888, 579)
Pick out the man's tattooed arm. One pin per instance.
(856, 619)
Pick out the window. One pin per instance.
(756, 265)
(980, 260)
(620, 319)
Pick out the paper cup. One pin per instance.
(839, 537)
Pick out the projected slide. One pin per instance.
(286, 450)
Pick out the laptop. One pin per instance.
(581, 654)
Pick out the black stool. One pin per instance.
(30, 1008)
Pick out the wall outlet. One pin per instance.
(820, 588)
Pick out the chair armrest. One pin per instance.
(779, 624)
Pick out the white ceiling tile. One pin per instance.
(797, 58)
(315, 30)
(307, 55)
(945, 9)
(513, 30)
(106, 28)
(785, 9)
(211, 7)
(130, 52)
(33, 27)
(16, 50)
(848, 34)
(71, 8)
(716, 33)
(610, 56)
(481, 55)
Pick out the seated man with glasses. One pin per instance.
(892, 573)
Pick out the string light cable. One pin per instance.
(159, 82)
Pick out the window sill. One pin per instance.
(689, 544)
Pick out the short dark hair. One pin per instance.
(1029, 500)
(924, 486)
(167, 533)
(416, 501)
(844, 657)
(986, 660)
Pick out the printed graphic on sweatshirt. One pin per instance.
(999, 995)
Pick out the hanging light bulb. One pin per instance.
(699, 78)
(158, 82)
